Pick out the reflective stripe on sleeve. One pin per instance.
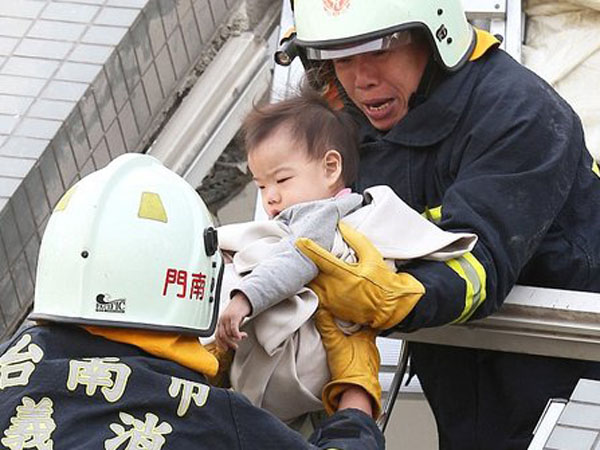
(434, 214)
(595, 168)
(471, 270)
(468, 268)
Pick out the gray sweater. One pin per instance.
(288, 270)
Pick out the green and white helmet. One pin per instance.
(131, 245)
(330, 29)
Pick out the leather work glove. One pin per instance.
(366, 292)
(353, 361)
(225, 358)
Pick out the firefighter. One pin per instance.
(477, 143)
(128, 278)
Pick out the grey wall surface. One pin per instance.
(81, 82)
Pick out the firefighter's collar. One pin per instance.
(434, 119)
(185, 350)
(485, 41)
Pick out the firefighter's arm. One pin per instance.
(358, 398)
(501, 194)
(348, 429)
(366, 292)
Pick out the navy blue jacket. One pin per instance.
(53, 386)
(493, 150)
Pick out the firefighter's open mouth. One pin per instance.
(379, 105)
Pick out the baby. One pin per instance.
(299, 150)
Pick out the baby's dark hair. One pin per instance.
(310, 120)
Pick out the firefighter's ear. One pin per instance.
(332, 163)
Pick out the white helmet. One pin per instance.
(330, 29)
(131, 245)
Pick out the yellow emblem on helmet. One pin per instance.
(151, 207)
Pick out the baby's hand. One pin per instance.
(228, 329)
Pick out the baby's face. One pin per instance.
(286, 176)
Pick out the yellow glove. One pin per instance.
(225, 358)
(367, 292)
(353, 361)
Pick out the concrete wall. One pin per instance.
(81, 82)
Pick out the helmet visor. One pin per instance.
(389, 42)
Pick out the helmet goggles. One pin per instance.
(388, 42)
